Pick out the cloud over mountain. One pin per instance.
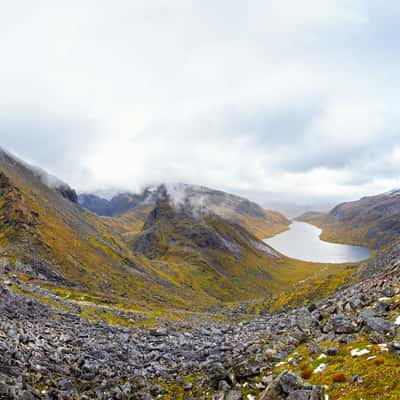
(249, 97)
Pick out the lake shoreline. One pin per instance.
(302, 242)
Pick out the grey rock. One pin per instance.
(377, 324)
(223, 386)
(234, 395)
(332, 351)
(287, 385)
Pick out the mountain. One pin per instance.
(218, 256)
(49, 238)
(79, 301)
(263, 223)
(118, 204)
(373, 221)
(190, 248)
(177, 298)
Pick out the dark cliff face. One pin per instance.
(167, 227)
(68, 193)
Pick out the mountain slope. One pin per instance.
(58, 243)
(128, 206)
(193, 260)
(373, 221)
(222, 258)
(118, 204)
(216, 256)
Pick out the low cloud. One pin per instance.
(268, 100)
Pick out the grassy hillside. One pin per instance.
(372, 221)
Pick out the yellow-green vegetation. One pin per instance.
(263, 224)
(272, 224)
(323, 283)
(372, 376)
(372, 221)
(181, 265)
(176, 391)
(340, 232)
(46, 300)
(131, 222)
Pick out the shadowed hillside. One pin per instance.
(372, 221)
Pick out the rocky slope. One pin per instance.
(344, 347)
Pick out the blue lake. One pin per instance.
(302, 242)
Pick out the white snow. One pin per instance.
(321, 367)
(397, 322)
(358, 352)
(279, 364)
(383, 347)
(321, 356)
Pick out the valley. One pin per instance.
(175, 293)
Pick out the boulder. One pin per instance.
(288, 386)
(377, 324)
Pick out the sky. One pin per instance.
(274, 100)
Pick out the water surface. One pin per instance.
(302, 241)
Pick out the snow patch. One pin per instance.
(383, 347)
(279, 364)
(321, 367)
(358, 352)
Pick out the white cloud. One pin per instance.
(287, 97)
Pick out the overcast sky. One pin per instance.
(271, 99)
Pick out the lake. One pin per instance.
(302, 242)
